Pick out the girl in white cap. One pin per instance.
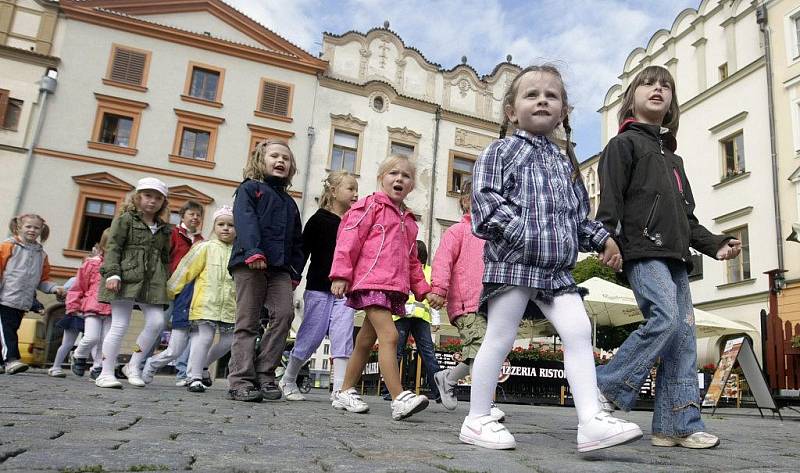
(214, 299)
(135, 273)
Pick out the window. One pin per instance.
(733, 152)
(697, 267)
(796, 22)
(313, 364)
(401, 149)
(204, 85)
(275, 100)
(459, 171)
(97, 216)
(100, 196)
(325, 364)
(116, 124)
(723, 71)
(261, 133)
(738, 269)
(116, 129)
(128, 68)
(195, 139)
(10, 110)
(326, 349)
(344, 152)
(174, 217)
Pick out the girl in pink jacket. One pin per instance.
(457, 276)
(82, 299)
(375, 264)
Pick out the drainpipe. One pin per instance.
(47, 86)
(761, 19)
(311, 134)
(437, 120)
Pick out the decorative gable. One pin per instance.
(183, 193)
(104, 180)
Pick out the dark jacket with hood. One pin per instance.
(646, 200)
(268, 227)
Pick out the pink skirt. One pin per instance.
(393, 301)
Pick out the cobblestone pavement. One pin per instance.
(68, 425)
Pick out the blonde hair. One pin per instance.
(466, 193)
(387, 164)
(511, 94)
(329, 186)
(101, 245)
(16, 222)
(131, 205)
(254, 167)
(652, 74)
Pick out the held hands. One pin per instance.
(338, 288)
(436, 301)
(259, 264)
(60, 293)
(729, 250)
(610, 256)
(112, 285)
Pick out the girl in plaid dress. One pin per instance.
(530, 205)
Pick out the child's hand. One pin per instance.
(60, 293)
(610, 256)
(112, 285)
(258, 264)
(729, 250)
(436, 301)
(339, 287)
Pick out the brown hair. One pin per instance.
(511, 94)
(387, 164)
(131, 202)
(16, 222)
(254, 167)
(651, 74)
(101, 245)
(329, 186)
(466, 193)
(191, 205)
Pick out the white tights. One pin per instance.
(95, 329)
(67, 342)
(178, 340)
(201, 353)
(568, 316)
(120, 319)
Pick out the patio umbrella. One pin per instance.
(615, 305)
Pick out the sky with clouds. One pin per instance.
(588, 39)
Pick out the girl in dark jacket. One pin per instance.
(135, 273)
(647, 203)
(266, 263)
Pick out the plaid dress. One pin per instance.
(532, 214)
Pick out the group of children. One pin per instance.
(525, 219)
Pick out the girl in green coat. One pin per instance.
(135, 273)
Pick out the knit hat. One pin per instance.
(225, 210)
(152, 183)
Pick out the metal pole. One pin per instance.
(437, 119)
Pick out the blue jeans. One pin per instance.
(661, 287)
(182, 361)
(421, 330)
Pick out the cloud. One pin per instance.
(588, 39)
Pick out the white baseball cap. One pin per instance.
(152, 183)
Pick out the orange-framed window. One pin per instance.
(10, 110)
(116, 124)
(195, 139)
(262, 133)
(274, 100)
(204, 84)
(100, 197)
(128, 67)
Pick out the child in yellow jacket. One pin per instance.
(214, 300)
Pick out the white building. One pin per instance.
(717, 59)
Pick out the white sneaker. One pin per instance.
(446, 390)
(408, 404)
(16, 366)
(496, 414)
(350, 401)
(605, 404)
(182, 382)
(107, 382)
(696, 440)
(148, 372)
(134, 378)
(290, 391)
(486, 432)
(605, 430)
(56, 373)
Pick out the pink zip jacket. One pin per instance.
(376, 248)
(458, 269)
(82, 296)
